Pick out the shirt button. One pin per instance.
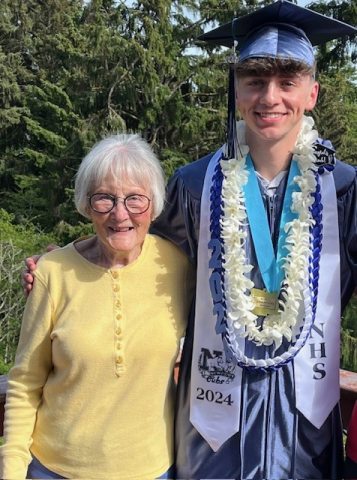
(119, 360)
(118, 330)
(114, 274)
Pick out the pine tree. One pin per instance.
(43, 129)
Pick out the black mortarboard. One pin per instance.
(281, 29)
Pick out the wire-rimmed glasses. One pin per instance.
(104, 202)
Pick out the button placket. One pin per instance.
(118, 330)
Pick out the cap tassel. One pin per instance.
(231, 120)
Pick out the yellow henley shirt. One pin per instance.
(91, 394)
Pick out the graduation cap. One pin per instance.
(279, 30)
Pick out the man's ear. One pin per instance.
(313, 96)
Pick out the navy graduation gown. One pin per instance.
(275, 441)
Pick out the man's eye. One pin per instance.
(288, 83)
(255, 83)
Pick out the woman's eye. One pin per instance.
(101, 197)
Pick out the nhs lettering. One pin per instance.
(318, 351)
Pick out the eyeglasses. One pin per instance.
(104, 202)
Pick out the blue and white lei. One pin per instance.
(298, 291)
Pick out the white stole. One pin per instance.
(216, 383)
(319, 391)
(213, 413)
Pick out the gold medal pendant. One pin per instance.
(265, 303)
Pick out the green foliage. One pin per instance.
(348, 351)
(16, 243)
(349, 336)
(39, 128)
(66, 232)
(11, 301)
(342, 51)
(349, 320)
(26, 236)
(336, 112)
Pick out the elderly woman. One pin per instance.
(91, 393)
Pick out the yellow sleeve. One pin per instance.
(26, 380)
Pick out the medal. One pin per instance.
(265, 303)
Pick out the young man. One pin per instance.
(270, 220)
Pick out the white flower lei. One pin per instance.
(242, 321)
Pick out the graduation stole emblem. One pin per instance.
(298, 285)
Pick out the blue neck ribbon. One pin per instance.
(270, 266)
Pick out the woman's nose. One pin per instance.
(119, 209)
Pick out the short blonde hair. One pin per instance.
(128, 158)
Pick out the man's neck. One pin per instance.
(269, 163)
(271, 158)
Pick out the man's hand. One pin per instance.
(27, 276)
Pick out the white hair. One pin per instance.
(128, 158)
